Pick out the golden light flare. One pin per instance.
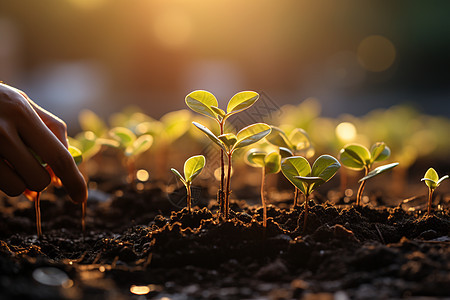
(142, 175)
(346, 132)
(376, 53)
(172, 28)
(140, 289)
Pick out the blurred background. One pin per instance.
(352, 56)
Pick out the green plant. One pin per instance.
(270, 164)
(358, 157)
(230, 142)
(132, 146)
(205, 103)
(432, 180)
(299, 172)
(297, 143)
(192, 167)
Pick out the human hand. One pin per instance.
(23, 126)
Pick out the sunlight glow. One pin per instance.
(87, 4)
(346, 131)
(142, 175)
(172, 28)
(140, 289)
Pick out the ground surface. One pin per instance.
(135, 238)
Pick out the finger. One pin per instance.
(54, 153)
(24, 163)
(10, 182)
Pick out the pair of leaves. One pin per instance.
(432, 179)
(192, 168)
(298, 140)
(128, 141)
(299, 172)
(357, 157)
(205, 103)
(271, 162)
(245, 137)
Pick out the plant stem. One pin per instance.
(263, 200)
(430, 198)
(188, 188)
(220, 193)
(361, 188)
(131, 170)
(227, 191)
(83, 216)
(37, 207)
(296, 197)
(305, 212)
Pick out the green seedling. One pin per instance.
(298, 171)
(358, 157)
(270, 163)
(192, 168)
(432, 180)
(132, 146)
(230, 142)
(297, 143)
(205, 103)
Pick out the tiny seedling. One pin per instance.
(299, 172)
(432, 180)
(297, 143)
(270, 164)
(131, 146)
(230, 142)
(358, 157)
(205, 103)
(192, 168)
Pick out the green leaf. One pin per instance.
(354, 156)
(296, 166)
(325, 167)
(251, 134)
(229, 139)
(175, 123)
(378, 170)
(193, 166)
(140, 145)
(441, 179)
(431, 178)
(90, 121)
(241, 101)
(201, 102)
(211, 135)
(285, 152)
(255, 158)
(310, 182)
(87, 142)
(218, 111)
(108, 142)
(123, 135)
(299, 139)
(179, 176)
(272, 163)
(278, 138)
(379, 152)
(76, 154)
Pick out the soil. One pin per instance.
(139, 238)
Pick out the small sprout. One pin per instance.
(131, 146)
(358, 157)
(270, 164)
(230, 142)
(192, 168)
(205, 103)
(433, 181)
(299, 172)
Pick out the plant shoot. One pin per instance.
(433, 181)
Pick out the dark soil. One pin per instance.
(135, 238)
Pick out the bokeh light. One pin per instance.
(376, 53)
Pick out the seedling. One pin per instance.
(192, 168)
(297, 143)
(358, 157)
(270, 164)
(230, 142)
(131, 146)
(205, 103)
(298, 171)
(432, 180)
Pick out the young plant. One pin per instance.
(131, 146)
(205, 103)
(432, 180)
(297, 143)
(229, 143)
(358, 157)
(298, 171)
(270, 164)
(192, 167)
